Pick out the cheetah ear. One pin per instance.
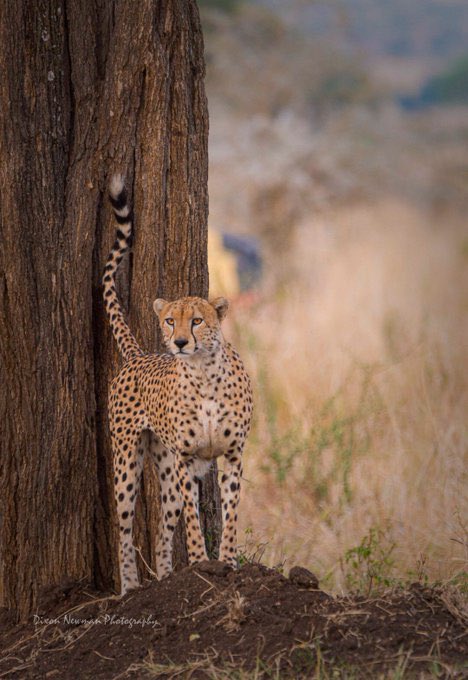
(158, 305)
(221, 305)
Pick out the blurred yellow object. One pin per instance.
(222, 266)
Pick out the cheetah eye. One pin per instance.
(197, 321)
(169, 321)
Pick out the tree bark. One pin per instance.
(90, 87)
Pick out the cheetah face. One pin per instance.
(191, 325)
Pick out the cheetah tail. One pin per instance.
(128, 346)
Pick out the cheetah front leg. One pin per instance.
(230, 494)
(171, 505)
(188, 485)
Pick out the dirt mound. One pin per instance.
(205, 621)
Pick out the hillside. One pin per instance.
(428, 29)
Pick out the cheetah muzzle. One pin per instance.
(183, 409)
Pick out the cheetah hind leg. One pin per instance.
(127, 471)
(171, 504)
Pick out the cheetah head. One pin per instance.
(191, 325)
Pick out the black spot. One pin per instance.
(120, 201)
(227, 433)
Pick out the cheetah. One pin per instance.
(183, 409)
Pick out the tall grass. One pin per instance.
(359, 364)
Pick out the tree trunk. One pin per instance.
(88, 88)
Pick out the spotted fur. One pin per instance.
(184, 409)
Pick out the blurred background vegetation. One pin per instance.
(339, 148)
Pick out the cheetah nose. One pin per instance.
(181, 342)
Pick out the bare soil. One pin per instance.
(211, 622)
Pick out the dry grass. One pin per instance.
(359, 364)
(235, 614)
(358, 348)
(210, 668)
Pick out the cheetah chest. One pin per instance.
(200, 412)
(207, 428)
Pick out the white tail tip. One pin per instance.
(116, 185)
